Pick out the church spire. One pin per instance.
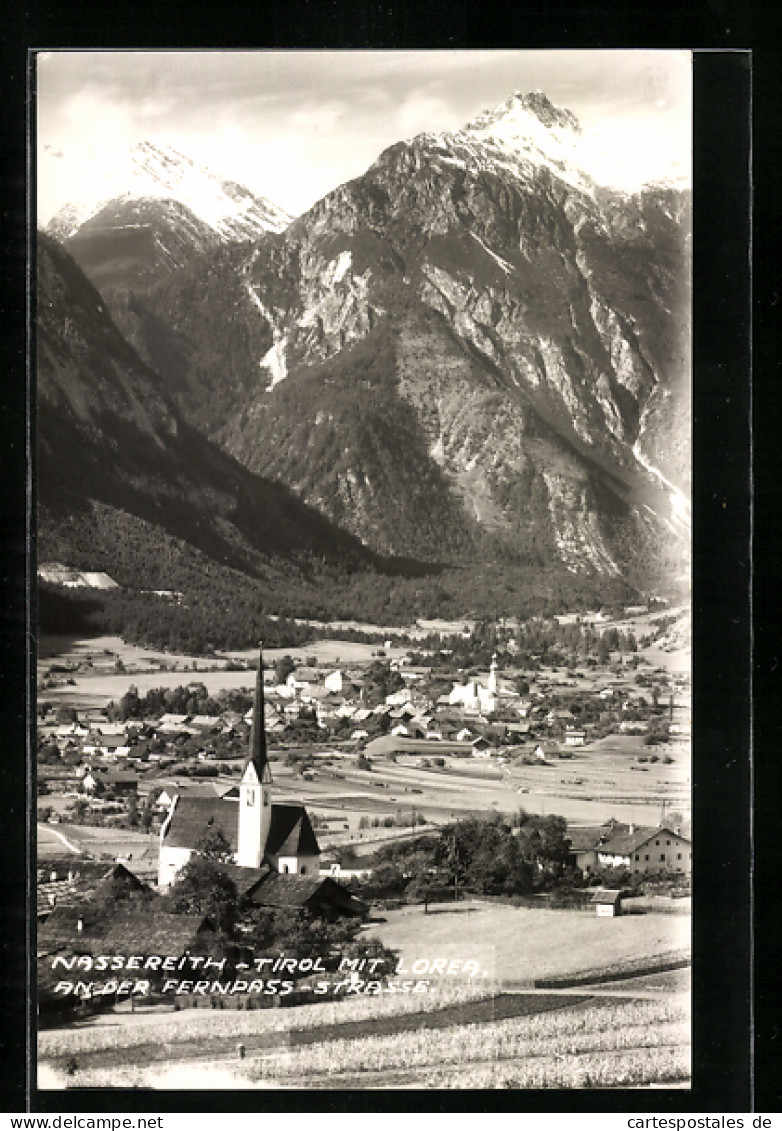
(258, 755)
(255, 807)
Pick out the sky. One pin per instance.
(292, 125)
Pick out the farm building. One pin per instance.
(388, 744)
(319, 895)
(575, 737)
(80, 881)
(583, 842)
(142, 934)
(636, 848)
(118, 782)
(644, 849)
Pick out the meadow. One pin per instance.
(610, 1044)
(520, 944)
(190, 1026)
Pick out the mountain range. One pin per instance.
(116, 459)
(474, 352)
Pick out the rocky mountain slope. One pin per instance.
(122, 480)
(471, 351)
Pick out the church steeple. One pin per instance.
(255, 787)
(258, 755)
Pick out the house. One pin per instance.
(583, 842)
(301, 682)
(644, 849)
(518, 729)
(562, 717)
(106, 745)
(210, 723)
(414, 674)
(129, 931)
(334, 682)
(575, 737)
(60, 777)
(320, 895)
(259, 832)
(398, 698)
(165, 799)
(119, 782)
(84, 880)
(173, 724)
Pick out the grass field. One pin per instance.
(518, 944)
(582, 1044)
(97, 841)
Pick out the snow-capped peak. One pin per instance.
(517, 112)
(529, 132)
(154, 171)
(523, 134)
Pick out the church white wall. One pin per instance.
(254, 817)
(296, 865)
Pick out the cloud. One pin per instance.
(423, 111)
(294, 124)
(319, 118)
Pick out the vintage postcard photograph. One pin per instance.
(363, 705)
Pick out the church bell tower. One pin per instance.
(255, 788)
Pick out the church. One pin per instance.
(261, 834)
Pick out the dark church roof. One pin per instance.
(194, 817)
(244, 879)
(290, 832)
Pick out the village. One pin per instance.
(376, 749)
(540, 770)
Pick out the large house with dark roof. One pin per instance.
(637, 848)
(260, 833)
(645, 849)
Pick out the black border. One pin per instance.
(721, 641)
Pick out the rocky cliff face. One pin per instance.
(470, 350)
(536, 331)
(117, 462)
